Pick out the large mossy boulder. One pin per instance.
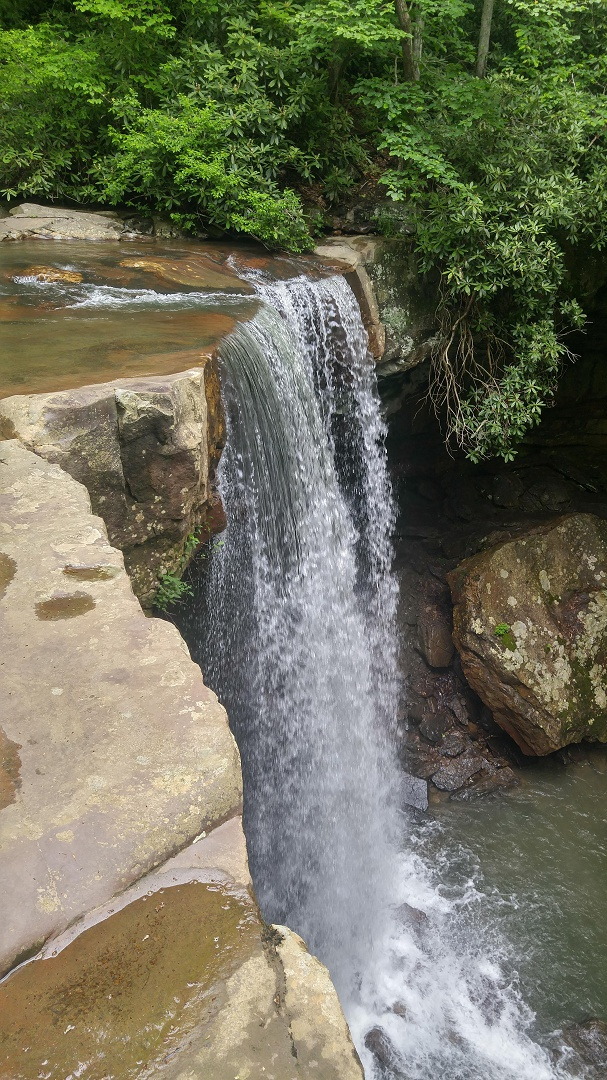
(530, 624)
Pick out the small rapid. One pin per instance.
(295, 630)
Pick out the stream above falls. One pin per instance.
(82, 312)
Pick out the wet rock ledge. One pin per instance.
(121, 848)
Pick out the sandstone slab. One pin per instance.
(530, 624)
(320, 1034)
(146, 450)
(350, 255)
(177, 977)
(118, 755)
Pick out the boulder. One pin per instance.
(385, 1053)
(32, 221)
(321, 1039)
(530, 624)
(589, 1041)
(414, 791)
(146, 450)
(454, 773)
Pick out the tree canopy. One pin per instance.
(483, 119)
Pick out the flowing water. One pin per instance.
(458, 943)
(294, 626)
(81, 313)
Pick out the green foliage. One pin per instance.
(171, 590)
(171, 586)
(503, 631)
(186, 161)
(504, 174)
(221, 115)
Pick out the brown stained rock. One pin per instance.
(64, 606)
(544, 674)
(125, 755)
(8, 568)
(436, 642)
(52, 273)
(10, 768)
(123, 994)
(197, 271)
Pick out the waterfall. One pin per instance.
(304, 650)
(295, 630)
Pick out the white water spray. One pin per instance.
(297, 635)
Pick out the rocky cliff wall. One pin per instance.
(146, 451)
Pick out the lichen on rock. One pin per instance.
(544, 679)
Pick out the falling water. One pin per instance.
(295, 630)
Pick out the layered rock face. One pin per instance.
(146, 450)
(397, 309)
(530, 624)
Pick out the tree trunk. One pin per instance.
(404, 21)
(418, 44)
(484, 38)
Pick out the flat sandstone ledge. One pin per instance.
(115, 754)
(177, 977)
(31, 221)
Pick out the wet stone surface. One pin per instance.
(10, 766)
(8, 568)
(67, 606)
(90, 573)
(123, 995)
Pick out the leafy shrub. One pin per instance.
(220, 115)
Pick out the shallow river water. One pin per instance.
(511, 945)
(538, 860)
